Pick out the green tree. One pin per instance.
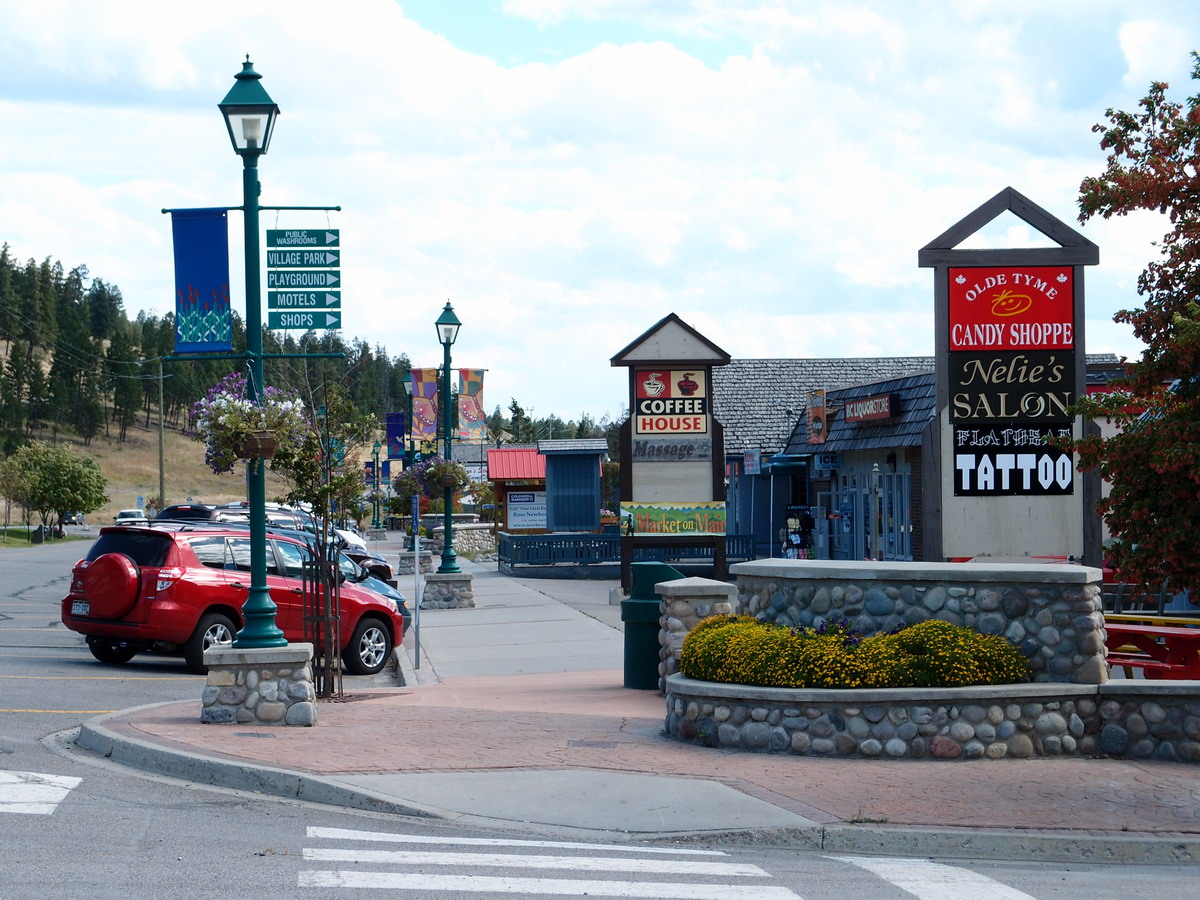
(1153, 462)
(51, 479)
(127, 383)
(326, 471)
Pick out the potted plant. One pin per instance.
(232, 427)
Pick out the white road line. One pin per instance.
(530, 887)
(525, 861)
(934, 881)
(32, 793)
(348, 834)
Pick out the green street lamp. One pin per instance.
(250, 117)
(375, 524)
(447, 328)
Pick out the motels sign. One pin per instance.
(670, 402)
(1011, 378)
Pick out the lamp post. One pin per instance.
(410, 451)
(447, 328)
(375, 488)
(250, 118)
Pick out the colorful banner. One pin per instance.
(396, 426)
(706, 517)
(472, 420)
(815, 414)
(425, 404)
(203, 320)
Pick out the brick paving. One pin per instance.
(587, 720)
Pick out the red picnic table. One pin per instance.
(1161, 651)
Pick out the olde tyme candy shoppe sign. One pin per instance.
(1011, 378)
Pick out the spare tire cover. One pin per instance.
(111, 585)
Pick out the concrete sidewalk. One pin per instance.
(516, 716)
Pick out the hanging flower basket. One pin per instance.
(257, 445)
(233, 427)
(448, 480)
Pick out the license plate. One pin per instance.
(80, 608)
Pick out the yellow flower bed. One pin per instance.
(742, 650)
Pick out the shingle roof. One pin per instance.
(759, 400)
(918, 402)
(573, 445)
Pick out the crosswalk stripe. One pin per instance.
(542, 886)
(33, 793)
(934, 881)
(526, 861)
(349, 834)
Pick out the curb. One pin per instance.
(240, 776)
(916, 841)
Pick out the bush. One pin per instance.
(743, 650)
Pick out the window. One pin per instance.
(210, 551)
(294, 557)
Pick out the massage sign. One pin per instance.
(1012, 378)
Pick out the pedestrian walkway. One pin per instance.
(515, 715)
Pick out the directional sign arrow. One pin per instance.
(304, 299)
(277, 259)
(301, 238)
(301, 279)
(308, 320)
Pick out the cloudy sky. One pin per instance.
(567, 172)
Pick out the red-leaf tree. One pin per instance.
(1153, 462)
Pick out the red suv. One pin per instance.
(172, 588)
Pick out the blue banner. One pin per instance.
(203, 320)
(397, 426)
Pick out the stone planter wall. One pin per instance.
(267, 686)
(448, 592)
(1138, 719)
(404, 565)
(469, 540)
(685, 602)
(1052, 613)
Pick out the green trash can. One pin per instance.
(640, 613)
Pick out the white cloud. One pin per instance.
(775, 200)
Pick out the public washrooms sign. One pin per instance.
(670, 402)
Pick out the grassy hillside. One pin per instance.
(131, 468)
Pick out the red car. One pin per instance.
(180, 588)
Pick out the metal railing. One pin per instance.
(588, 549)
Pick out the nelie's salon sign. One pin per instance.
(1011, 372)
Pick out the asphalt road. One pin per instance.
(76, 826)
